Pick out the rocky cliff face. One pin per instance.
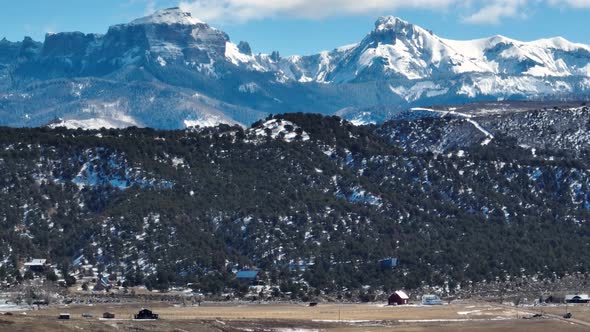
(168, 36)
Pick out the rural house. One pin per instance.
(398, 298)
(247, 275)
(388, 263)
(577, 298)
(37, 265)
(146, 314)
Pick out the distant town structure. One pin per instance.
(37, 265)
(554, 299)
(577, 298)
(300, 265)
(388, 263)
(398, 298)
(431, 299)
(247, 275)
(63, 316)
(146, 314)
(108, 315)
(102, 284)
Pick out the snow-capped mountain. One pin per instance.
(422, 67)
(398, 49)
(164, 37)
(171, 70)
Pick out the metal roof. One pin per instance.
(36, 262)
(402, 295)
(246, 274)
(579, 296)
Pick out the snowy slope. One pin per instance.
(171, 70)
(397, 49)
(555, 57)
(91, 124)
(169, 36)
(168, 16)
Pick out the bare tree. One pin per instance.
(34, 292)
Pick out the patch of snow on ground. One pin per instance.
(249, 88)
(93, 124)
(203, 122)
(100, 115)
(161, 61)
(362, 119)
(467, 117)
(281, 128)
(176, 162)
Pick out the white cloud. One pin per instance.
(244, 10)
(572, 3)
(495, 11)
(472, 11)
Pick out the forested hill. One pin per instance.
(304, 198)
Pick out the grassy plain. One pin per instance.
(477, 317)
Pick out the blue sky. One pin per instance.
(308, 26)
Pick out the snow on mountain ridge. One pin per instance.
(207, 77)
(542, 53)
(398, 49)
(233, 54)
(168, 16)
(172, 37)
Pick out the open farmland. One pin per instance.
(579, 311)
(290, 318)
(323, 312)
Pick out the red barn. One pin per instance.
(398, 298)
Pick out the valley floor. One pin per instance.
(472, 316)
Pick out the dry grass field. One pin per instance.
(477, 317)
(323, 312)
(579, 311)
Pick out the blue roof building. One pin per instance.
(388, 263)
(78, 261)
(247, 275)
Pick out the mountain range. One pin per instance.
(172, 71)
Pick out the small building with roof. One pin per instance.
(577, 298)
(388, 263)
(398, 298)
(145, 314)
(37, 265)
(247, 275)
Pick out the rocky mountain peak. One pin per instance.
(389, 29)
(168, 16)
(390, 23)
(245, 48)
